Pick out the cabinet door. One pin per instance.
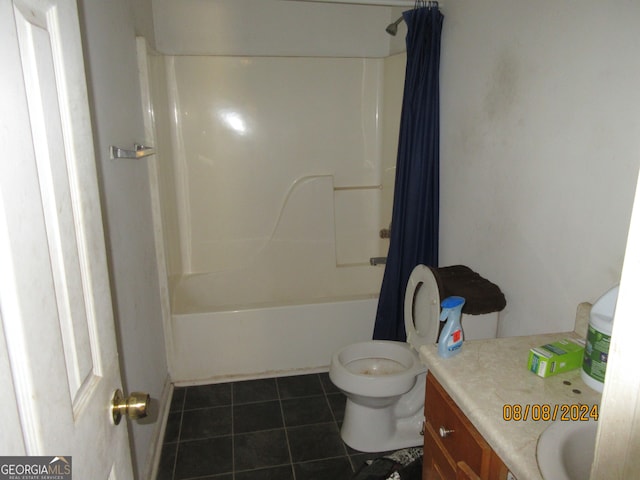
(455, 435)
(464, 472)
(458, 451)
(436, 463)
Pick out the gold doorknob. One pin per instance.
(135, 405)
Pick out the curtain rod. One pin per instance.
(387, 3)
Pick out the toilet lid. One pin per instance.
(421, 307)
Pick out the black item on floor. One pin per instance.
(404, 464)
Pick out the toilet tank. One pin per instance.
(478, 327)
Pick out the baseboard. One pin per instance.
(252, 376)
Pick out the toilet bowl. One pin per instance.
(384, 381)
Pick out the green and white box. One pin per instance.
(556, 357)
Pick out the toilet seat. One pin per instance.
(422, 308)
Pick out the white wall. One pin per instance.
(110, 56)
(270, 27)
(397, 43)
(539, 149)
(143, 20)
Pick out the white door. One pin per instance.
(58, 361)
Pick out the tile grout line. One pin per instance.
(175, 460)
(233, 433)
(284, 425)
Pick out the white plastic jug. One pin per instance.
(596, 350)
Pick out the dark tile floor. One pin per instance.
(283, 428)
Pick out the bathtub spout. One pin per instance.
(378, 261)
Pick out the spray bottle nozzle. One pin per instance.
(450, 304)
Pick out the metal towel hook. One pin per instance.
(139, 151)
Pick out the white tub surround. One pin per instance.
(489, 374)
(277, 163)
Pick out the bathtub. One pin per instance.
(265, 339)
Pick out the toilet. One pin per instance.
(384, 381)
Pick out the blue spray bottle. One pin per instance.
(450, 339)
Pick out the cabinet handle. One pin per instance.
(444, 432)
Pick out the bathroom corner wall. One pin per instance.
(540, 142)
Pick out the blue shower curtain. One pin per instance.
(414, 221)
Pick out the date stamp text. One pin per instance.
(545, 412)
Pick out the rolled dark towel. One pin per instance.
(481, 296)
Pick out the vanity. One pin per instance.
(484, 410)
(453, 448)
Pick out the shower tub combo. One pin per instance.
(271, 193)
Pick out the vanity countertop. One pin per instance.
(490, 377)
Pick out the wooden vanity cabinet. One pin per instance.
(453, 448)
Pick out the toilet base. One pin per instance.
(399, 425)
